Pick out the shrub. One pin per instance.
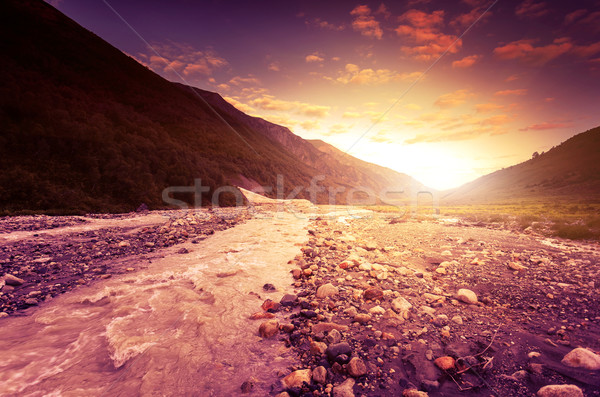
(575, 232)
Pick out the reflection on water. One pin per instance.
(174, 329)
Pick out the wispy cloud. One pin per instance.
(487, 107)
(520, 91)
(453, 99)
(179, 59)
(322, 24)
(573, 16)
(353, 74)
(526, 51)
(545, 126)
(531, 9)
(269, 102)
(466, 62)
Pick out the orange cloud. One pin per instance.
(239, 105)
(521, 91)
(544, 126)
(320, 23)
(274, 67)
(351, 115)
(314, 57)
(238, 81)
(180, 61)
(424, 30)
(487, 107)
(525, 50)
(497, 120)
(531, 9)
(421, 19)
(353, 74)
(447, 136)
(464, 20)
(466, 62)
(337, 129)
(313, 110)
(269, 102)
(310, 125)
(453, 99)
(365, 23)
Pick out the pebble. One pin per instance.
(319, 375)
(318, 347)
(414, 393)
(14, 281)
(365, 267)
(297, 378)
(560, 391)
(373, 293)
(268, 328)
(582, 358)
(516, 266)
(296, 273)
(356, 367)
(440, 320)
(467, 296)
(337, 349)
(401, 305)
(334, 336)
(288, 300)
(377, 310)
(445, 363)
(457, 320)
(351, 311)
(326, 291)
(362, 318)
(247, 386)
(326, 327)
(344, 389)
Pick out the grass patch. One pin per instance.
(575, 232)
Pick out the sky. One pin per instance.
(445, 91)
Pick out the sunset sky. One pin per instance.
(524, 78)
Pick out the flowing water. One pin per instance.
(179, 327)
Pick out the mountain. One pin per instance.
(342, 168)
(568, 171)
(87, 128)
(374, 176)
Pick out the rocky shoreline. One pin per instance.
(44, 265)
(427, 308)
(378, 307)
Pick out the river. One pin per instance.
(179, 327)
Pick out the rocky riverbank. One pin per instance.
(56, 259)
(421, 308)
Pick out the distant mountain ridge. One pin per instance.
(327, 159)
(569, 170)
(87, 128)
